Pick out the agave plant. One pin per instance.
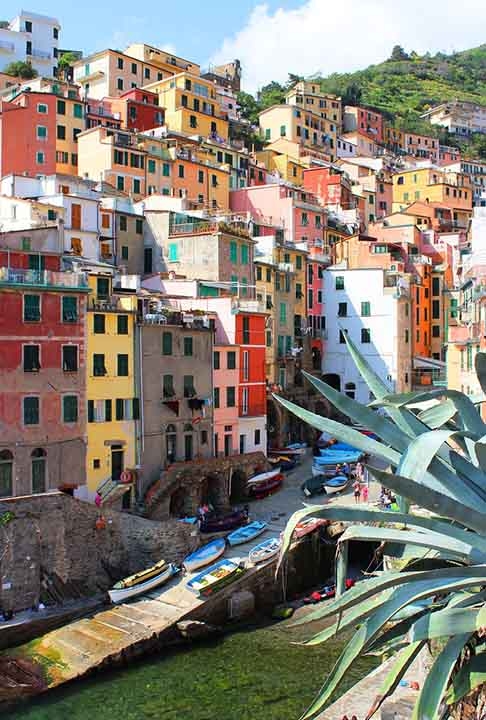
(434, 445)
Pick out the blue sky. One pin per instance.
(270, 37)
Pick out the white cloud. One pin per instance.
(328, 36)
(131, 27)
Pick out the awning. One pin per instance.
(422, 363)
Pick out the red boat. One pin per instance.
(266, 487)
(223, 523)
(308, 526)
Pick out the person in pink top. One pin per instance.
(364, 492)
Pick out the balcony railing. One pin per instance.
(244, 305)
(43, 278)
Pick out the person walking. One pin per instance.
(365, 493)
(357, 491)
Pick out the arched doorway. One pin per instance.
(333, 380)
(39, 470)
(238, 485)
(6, 473)
(212, 489)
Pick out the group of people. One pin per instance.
(388, 500)
(360, 485)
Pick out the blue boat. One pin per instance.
(329, 457)
(338, 482)
(265, 550)
(204, 555)
(246, 533)
(215, 576)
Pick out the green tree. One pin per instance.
(271, 94)
(249, 107)
(21, 69)
(398, 53)
(66, 60)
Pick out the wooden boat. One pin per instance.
(308, 526)
(265, 550)
(263, 489)
(215, 577)
(336, 483)
(223, 523)
(246, 533)
(204, 555)
(328, 470)
(263, 477)
(142, 582)
(288, 452)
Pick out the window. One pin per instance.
(231, 360)
(41, 132)
(61, 107)
(435, 286)
(166, 169)
(339, 282)
(173, 252)
(233, 252)
(216, 397)
(124, 252)
(120, 182)
(181, 171)
(151, 166)
(230, 397)
(70, 358)
(244, 254)
(246, 364)
(298, 262)
(193, 121)
(304, 219)
(99, 369)
(365, 335)
(298, 291)
(146, 73)
(40, 158)
(136, 186)
(189, 389)
(31, 358)
(283, 313)
(61, 132)
(39, 466)
(166, 343)
(119, 409)
(168, 386)
(342, 309)
(70, 408)
(76, 132)
(435, 331)
(32, 308)
(31, 410)
(407, 336)
(234, 284)
(188, 346)
(98, 324)
(102, 288)
(78, 110)
(350, 390)
(6, 473)
(341, 336)
(436, 309)
(246, 331)
(122, 365)
(69, 309)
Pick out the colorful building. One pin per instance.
(365, 121)
(307, 94)
(299, 126)
(226, 380)
(42, 367)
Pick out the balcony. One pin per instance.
(286, 267)
(47, 279)
(420, 259)
(112, 304)
(41, 54)
(203, 227)
(243, 305)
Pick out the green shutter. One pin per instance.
(166, 343)
(31, 411)
(216, 397)
(108, 412)
(233, 252)
(32, 308)
(151, 166)
(122, 324)
(188, 346)
(70, 408)
(166, 170)
(69, 309)
(122, 365)
(173, 252)
(234, 284)
(283, 313)
(280, 345)
(244, 254)
(365, 309)
(119, 409)
(136, 409)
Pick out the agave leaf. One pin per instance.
(387, 431)
(446, 622)
(471, 476)
(480, 367)
(390, 683)
(342, 432)
(430, 540)
(480, 449)
(471, 675)
(437, 416)
(434, 501)
(367, 633)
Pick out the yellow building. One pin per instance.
(433, 185)
(113, 404)
(287, 166)
(191, 105)
(307, 94)
(299, 126)
(69, 124)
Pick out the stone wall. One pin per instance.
(54, 538)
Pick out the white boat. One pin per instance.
(136, 584)
(263, 477)
(204, 555)
(265, 550)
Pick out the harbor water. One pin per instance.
(254, 673)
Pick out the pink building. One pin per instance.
(226, 375)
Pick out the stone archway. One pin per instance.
(238, 487)
(214, 492)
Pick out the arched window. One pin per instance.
(6, 473)
(39, 470)
(171, 443)
(350, 390)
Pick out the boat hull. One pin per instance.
(118, 595)
(262, 490)
(246, 533)
(266, 550)
(214, 577)
(263, 477)
(308, 526)
(223, 524)
(205, 555)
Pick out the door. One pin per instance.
(216, 444)
(228, 445)
(242, 444)
(188, 447)
(76, 216)
(116, 462)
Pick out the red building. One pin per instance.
(42, 396)
(330, 186)
(368, 122)
(28, 135)
(139, 110)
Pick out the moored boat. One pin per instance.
(246, 533)
(263, 489)
(215, 577)
(263, 477)
(204, 555)
(142, 581)
(265, 550)
(307, 526)
(337, 483)
(223, 523)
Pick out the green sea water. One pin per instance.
(247, 675)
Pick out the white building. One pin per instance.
(31, 38)
(346, 149)
(459, 117)
(373, 306)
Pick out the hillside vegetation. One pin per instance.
(402, 87)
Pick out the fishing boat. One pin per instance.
(142, 581)
(263, 477)
(265, 550)
(223, 523)
(215, 577)
(315, 485)
(308, 526)
(337, 483)
(327, 470)
(204, 555)
(297, 446)
(246, 533)
(267, 487)
(288, 452)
